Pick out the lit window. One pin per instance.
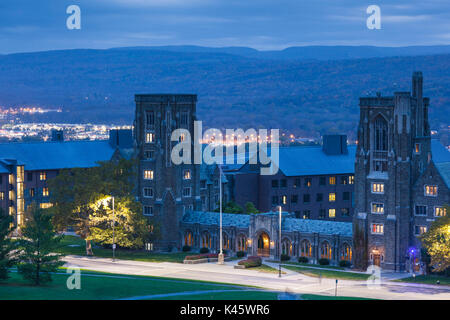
(431, 191)
(149, 137)
(377, 207)
(148, 210)
(31, 192)
(187, 192)
(2, 195)
(187, 175)
(421, 210)
(418, 230)
(377, 228)
(148, 174)
(284, 199)
(440, 211)
(45, 192)
(351, 179)
(417, 148)
(43, 176)
(332, 180)
(332, 213)
(377, 187)
(45, 205)
(148, 192)
(332, 197)
(308, 182)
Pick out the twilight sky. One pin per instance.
(35, 25)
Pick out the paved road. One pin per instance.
(292, 281)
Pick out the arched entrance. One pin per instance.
(263, 245)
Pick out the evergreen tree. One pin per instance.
(37, 247)
(250, 208)
(7, 247)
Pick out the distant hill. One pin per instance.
(234, 88)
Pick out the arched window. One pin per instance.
(346, 252)
(286, 247)
(188, 241)
(225, 241)
(206, 240)
(325, 250)
(305, 248)
(381, 134)
(242, 243)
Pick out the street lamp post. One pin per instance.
(279, 244)
(220, 259)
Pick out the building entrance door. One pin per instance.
(376, 259)
(263, 245)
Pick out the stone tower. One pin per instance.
(165, 190)
(393, 150)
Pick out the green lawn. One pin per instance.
(318, 297)
(427, 279)
(71, 245)
(328, 273)
(101, 286)
(244, 295)
(265, 268)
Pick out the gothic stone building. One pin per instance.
(259, 234)
(400, 188)
(165, 190)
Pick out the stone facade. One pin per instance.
(166, 190)
(259, 234)
(392, 159)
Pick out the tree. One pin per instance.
(250, 208)
(76, 192)
(437, 243)
(360, 247)
(231, 207)
(7, 247)
(131, 228)
(37, 247)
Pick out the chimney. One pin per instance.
(334, 144)
(417, 85)
(57, 135)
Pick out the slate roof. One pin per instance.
(57, 155)
(288, 224)
(444, 171)
(213, 218)
(317, 226)
(302, 161)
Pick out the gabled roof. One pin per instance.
(444, 171)
(57, 155)
(311, 160)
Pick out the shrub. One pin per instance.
(345, 263)
(285, 257)
(240, 254)
(251, 262)
(324, 262)
(201, 256)
(303, 260)
(186, 248)
(204, 250)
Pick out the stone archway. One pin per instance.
(263, 244)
